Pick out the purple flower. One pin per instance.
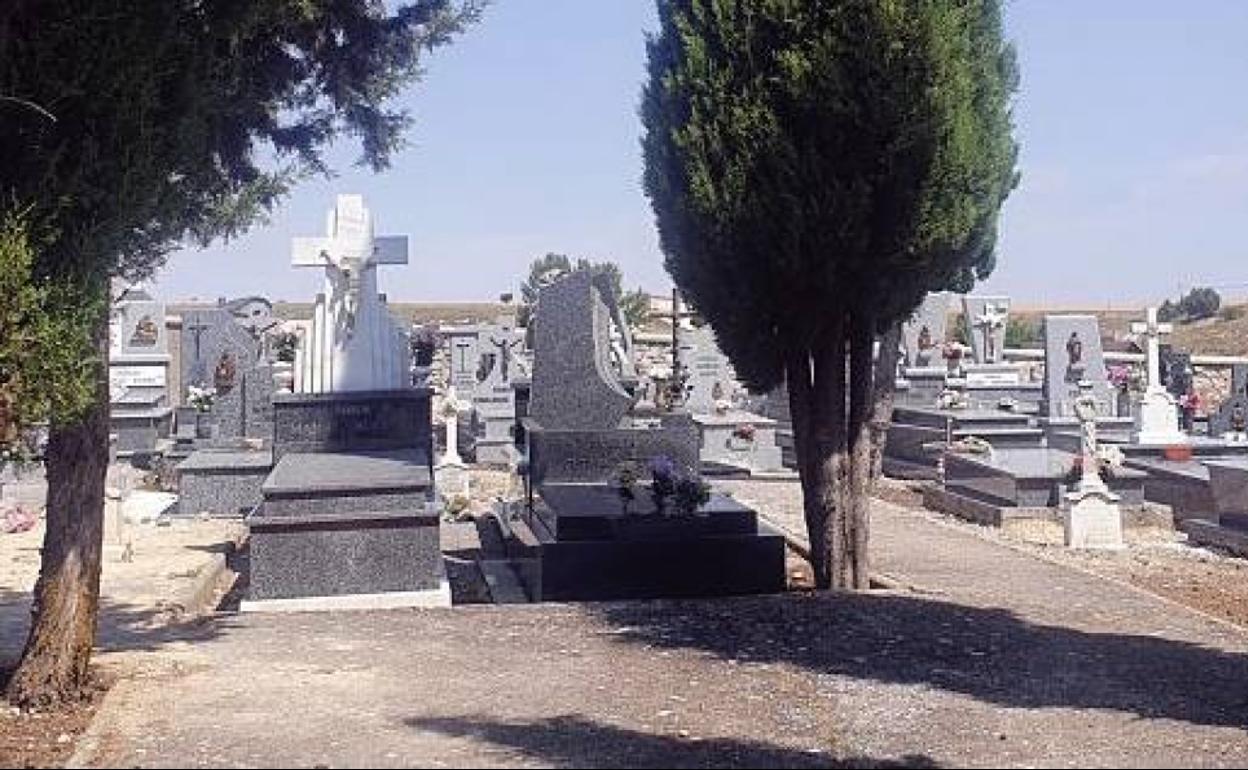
(661, 467)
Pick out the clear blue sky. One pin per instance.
(1132, 115)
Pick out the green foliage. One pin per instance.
(634, 305)
(47, 361)
(1199, 303)
(800, 157)
(1020, 333)
(161, 112)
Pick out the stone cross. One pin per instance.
(990, 320)
(198, 330)
(1152, 331)
(1157, 419)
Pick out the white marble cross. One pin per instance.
(990, 320)
(1152, 330)
(350, 255)
(355, 344)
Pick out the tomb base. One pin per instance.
(577, 544)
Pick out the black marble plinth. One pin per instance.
(578, 545)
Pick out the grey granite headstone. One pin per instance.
(1073, 353)
(1176, 371)
(923, 335)
(464, 351)
(986, 319)
(710, 374)
(1232, 414)
(354, 421)
(575, 383)
(494, 398)
(219, 353)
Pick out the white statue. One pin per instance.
(355, 344)
(452, 406)
(1092, 517)
(1157, 414)
(990, 320)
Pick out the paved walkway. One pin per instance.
(1000, 659)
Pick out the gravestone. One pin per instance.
(1231, 419)
(138, 373)
(1093, 518)
(574, 540)
(220, 354)
(348, 517)
(575, 385)
(1157, 416)
(731, 439)
(986, 319)
(464, 351)
(494, 397)
(711, 384)
(1177, 373)
(923, 335)
(1073, 354)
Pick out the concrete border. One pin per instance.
(439, 597)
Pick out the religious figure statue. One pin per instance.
(1085, 410)
(145, 333)
(223, 375)
(925, 338)
(1074, 358)
(344, 275)
(504, 354)
(991, 320)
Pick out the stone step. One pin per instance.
(503, 582)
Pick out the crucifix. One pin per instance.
(505, 346)
(198, 372)
(1156, 418)
(349, 254)
(462, 347)
(990, 320)
(1152, 330)
(357, 344)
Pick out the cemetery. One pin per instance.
(797, 448)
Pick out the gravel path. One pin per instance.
(996, 658)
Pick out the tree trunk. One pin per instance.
(861, 443)
(798, 378)
(54, 664)
(884, 389)
(830, 453)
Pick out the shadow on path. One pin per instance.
(990, 654)
(574, 741)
